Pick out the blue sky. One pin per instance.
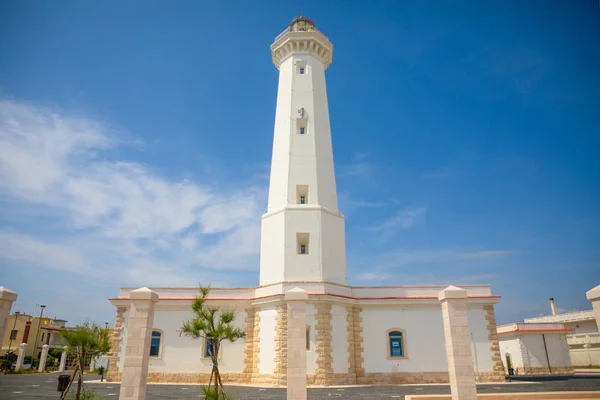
(135, 142)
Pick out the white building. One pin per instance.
(583, 338)
(535, 348)
(355, 334)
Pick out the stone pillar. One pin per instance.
(43, 357)
(63, 359)
(7, 298)
(21, 357)
(323, 345)
(593, 295)
(458, 343)
(137, 345)
(296, 343)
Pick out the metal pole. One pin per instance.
(546, 349)
(37, 334)
(17, 313)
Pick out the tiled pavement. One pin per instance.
(44, 387)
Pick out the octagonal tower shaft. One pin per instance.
(303, 233)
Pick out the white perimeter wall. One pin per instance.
(582, 326)
(266, 354)
(534, 354)
(511, 345)
(583, 357)
(184, 354)
(480, 344)
(339, 334)
(424, 341)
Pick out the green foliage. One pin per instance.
(211, 323)
(56, 353)
(214, 325)
(87, 340)
(88, 395)
(211, 393)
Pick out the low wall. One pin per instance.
(514, 396)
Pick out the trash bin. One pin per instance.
(63, 382)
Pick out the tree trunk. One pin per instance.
(80, 378)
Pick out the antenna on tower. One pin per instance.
(301, 11)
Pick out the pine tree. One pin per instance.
(213, 325)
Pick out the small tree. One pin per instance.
(87, 342)
(214, 326)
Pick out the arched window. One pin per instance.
(396, 344)
(155, 344)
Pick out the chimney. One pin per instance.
(552, 306)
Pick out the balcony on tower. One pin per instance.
(301, 36)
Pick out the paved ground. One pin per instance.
(43, 386)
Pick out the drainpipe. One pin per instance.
(546, 350)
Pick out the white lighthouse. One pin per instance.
(354, 334)
(303, 238)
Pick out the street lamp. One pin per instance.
(35, 344)
(17, 313)
(106, 325)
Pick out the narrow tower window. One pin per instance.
(301, 194)
(302, 130)
(301, 67)
(302, 239)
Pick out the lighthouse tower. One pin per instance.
(302, 235)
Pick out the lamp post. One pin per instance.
(17, 313)
(106, 325)
(38, 332)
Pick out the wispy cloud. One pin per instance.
(399, 258)
(359, 167)
(404, 219)
(121, 216)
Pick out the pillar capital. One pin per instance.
(296, 294)
(593, 294)
(452, 293)
(7, 295)
(143, 294)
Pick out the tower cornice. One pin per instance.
(312, 42)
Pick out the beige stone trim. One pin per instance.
(323, 345)
(498, 370)
(251, 342)
(195, 377)
(280, 372)
(544, 370)
(113, 374)
(404, 355)
(395, 378)
(358, 345)
(351, 348)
